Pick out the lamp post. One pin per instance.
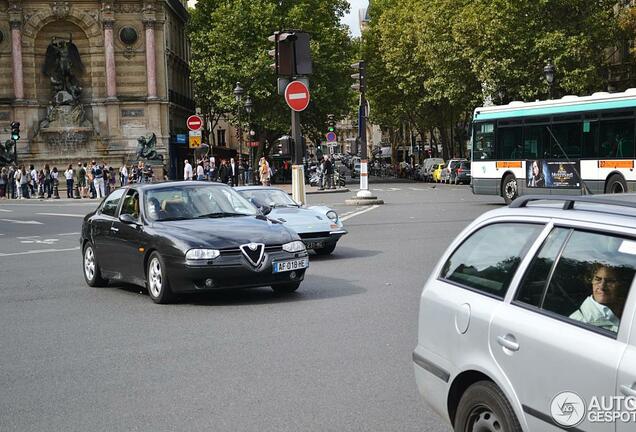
(238, 94)
(549, 72)
(249, 106)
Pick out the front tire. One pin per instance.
(483, 407)
(92, 271)
(616, 184)
(286, 288)
(156, 280)
(509, 189)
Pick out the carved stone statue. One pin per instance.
(62, 66)
(146, 148)
(7, 153)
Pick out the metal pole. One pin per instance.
(298, 176)
(364, 162)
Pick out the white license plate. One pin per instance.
(289, 265)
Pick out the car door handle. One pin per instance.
(628, 391)
(508, 342)
(113, 229)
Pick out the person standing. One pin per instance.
(41, 183)
(98, 181)
(17, 180)
(33, 183)
(123, 174)
(81, 179)
(55, 181)
(3, 182)
(24, 183)
(233, 171)
(187, 170)
(10, 182)
(200, 171)
(264, 171)
(69, 174)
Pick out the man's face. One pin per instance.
(606, 288)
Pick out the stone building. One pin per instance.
(132, 78)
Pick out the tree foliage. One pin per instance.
(229, 44)
(431, 62)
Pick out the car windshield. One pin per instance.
(269, 197)
(195, 201)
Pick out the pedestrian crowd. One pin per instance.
(227, 171)
(94, 180)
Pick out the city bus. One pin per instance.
(572, 145)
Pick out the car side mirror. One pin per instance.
(265, 210)
(127, 219)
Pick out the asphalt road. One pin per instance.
(334, 356)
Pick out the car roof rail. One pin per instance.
(570, 200)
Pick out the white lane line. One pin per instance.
(60, 214)
(5, 210)
(358, 213)
(68, 234)
(393, 189)
(416, 189)
(21, 222)
(39, 251)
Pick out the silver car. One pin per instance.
(319, 227)
(526, 323)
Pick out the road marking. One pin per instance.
(68, 234)
(378, 189)
(417, 189)
(394, 189)
(358, 213)
(39, 251)
(21, 222)
(38, 241)
(5, 210)
(60, 214)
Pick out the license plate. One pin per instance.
(289, 265)
(313, 244)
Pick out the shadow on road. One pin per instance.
(342, 253)
(314, 287)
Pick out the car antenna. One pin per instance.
(583, 184)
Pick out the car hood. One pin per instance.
(303, 220)
(227, 232)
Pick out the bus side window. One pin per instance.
(569, 140)
(616, 138)
(534, 140)
(590, 139)
(509, 143)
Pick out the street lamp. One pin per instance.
(249, 106)
(549, 72)
(238, 94)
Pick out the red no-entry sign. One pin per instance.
(297, 95)
(194, 123)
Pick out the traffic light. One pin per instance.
(15, 131)
(291, 53)
(331, 123)
(284, 146)
(359, 76)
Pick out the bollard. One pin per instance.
(56, 192)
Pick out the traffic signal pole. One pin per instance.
(298, 174)
(364, 195)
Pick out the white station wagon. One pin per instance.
(526, 323)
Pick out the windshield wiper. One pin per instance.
(176, 218)
(221, 214)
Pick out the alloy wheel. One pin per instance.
(511, 189)
(155, 280)
(89, 263)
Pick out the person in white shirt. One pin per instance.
(187, 170)
(68, 174)
(34, 180)
(123, 175)
(200, 171)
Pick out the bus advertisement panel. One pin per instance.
(553, 174)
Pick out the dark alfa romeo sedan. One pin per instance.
(188, 237)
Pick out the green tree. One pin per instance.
(229, 44)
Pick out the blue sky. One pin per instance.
(351, 19)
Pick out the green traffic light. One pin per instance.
(331, 129)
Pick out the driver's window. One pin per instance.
(131, 204)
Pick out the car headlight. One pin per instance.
(295, 246)
(332, 215)
(202, 254)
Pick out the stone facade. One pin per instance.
(135, 82)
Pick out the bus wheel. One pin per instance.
(509, 190)
(615, 184)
